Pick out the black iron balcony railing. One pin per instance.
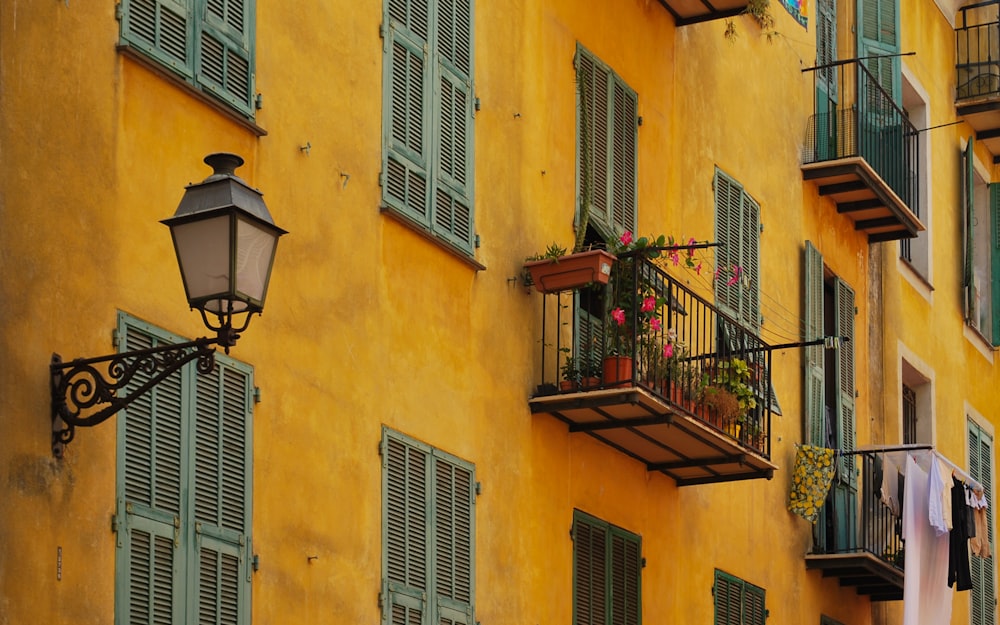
(860, 538)
(646, 329)
(864, 122)
(977, 49)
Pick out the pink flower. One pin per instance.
(648, 304)
(691, 242)
(668, 350)
(618, 315)
(697, 269)
(655, 325)
(626, 237)
(675, 257)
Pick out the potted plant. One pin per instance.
(555, 270)
(731, 395)
(570, 372)
(590, 369)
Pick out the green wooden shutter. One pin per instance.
(405, 491)
(405, 124)
(607, 570)
(625, 565)
(737, 229)
(983, 596)
(753, 605)
(222, 493)
(454, 521)
(150, 568)
(163, 29)
(590, 582)
(878, 36)
(968, 186)
(737, 602)
(844, 371)
(815, 421)
(225, 51)
(826, 80)
(608, 124)
(453, 205)
(728, 599)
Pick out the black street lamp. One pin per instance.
(225, 241)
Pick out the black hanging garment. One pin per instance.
(959, 573)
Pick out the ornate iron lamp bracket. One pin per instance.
(85, 383)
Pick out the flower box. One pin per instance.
(572, 271)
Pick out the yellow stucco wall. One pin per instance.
(369, 324)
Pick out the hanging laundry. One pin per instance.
(980, 543)
(926, 597)
(939, 504)
(959, 573)
(811, 479)
(889, 491)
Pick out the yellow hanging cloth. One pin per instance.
(811, 478)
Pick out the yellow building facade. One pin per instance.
(401, 450)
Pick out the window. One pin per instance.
(607, 565)
(983, 599)
(737, 230)
(737, 602)
(917, 404)
(982, 250)
(427, 135)
(208, 43)
(184, 493)
(428, 535)
(607, 134)
(829, 387)
(909, 415)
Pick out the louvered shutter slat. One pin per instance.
(814, 375)
(225, 53)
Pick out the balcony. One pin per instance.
(698, 411)
(977, 46)
(694, 11)
(868, 556)
(863, 153)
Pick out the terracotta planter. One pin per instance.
(617, 371)
(590, 382)
(567, 385)
(572, 271)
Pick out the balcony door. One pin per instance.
(829, 397)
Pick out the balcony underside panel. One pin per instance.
(657, 433)
(866, 573)
(693, 11)
(983, 114)
(864, 197)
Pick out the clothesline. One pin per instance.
(961, 474)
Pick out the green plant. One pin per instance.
(733, 375)
(571, 367)
(553, 252)
(760, 12)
